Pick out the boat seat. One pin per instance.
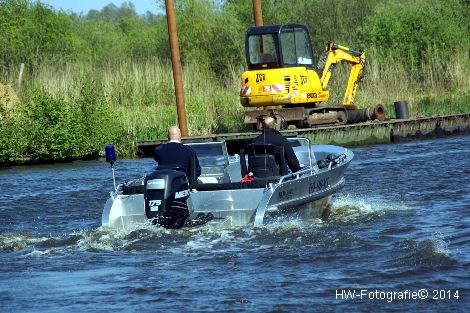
(264, 160)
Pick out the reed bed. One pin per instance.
(438, 86)
(142, 91)
(142, 94)
(140, 101)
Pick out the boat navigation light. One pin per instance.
(110, 154)
(111, 158)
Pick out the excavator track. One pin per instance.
(300, 117)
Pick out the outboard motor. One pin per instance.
(166, 195)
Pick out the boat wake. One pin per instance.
(427, 253)
(288, 233)
(349, 210)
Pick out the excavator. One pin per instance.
(284, 82)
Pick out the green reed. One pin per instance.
(132, 100)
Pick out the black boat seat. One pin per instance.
(264, 160)
(132, 189)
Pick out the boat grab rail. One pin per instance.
(310, 167)
(298, 173)
(314, 170)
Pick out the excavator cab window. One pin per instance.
(296, 47)
(262, 51)
(275, 46)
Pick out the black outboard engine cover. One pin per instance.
(166, 195)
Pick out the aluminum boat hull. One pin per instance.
(305, 194)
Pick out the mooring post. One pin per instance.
(20, 80)
(258, 17)
(176, 65)
(257, 13)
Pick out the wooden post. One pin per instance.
(258, 17)
(176, 65)
(257, 13)
(20, 79)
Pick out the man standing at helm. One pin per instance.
(270, 135)
(175, 154)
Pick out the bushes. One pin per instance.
(105, 76)
(50, 127)
(412, 31)
(31, 32)
(12, 142)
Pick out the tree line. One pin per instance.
(212, 32)
(104, 76)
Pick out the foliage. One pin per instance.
(414, 30)
(11, 141)
(31, 32)
(104, 76)
(50, 127)
(60, 129)
(211, 32)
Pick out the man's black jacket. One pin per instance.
(272, 136)
(175, 153)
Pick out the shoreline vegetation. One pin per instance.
(105, 77)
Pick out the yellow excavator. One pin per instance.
(283, 80)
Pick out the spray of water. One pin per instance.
(285, 231)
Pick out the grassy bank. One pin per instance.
(141, 94)
(75, 108)
(104, 77)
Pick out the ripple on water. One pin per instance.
(427, 253)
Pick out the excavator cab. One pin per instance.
(282, 77)
(276, 46)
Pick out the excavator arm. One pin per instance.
(336, 54)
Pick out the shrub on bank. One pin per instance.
(11, 140)
(51, 128)
(105, 76)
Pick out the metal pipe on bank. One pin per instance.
(401, 109)
(176, 65)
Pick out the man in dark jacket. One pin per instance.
(174, 153)
(272, 136)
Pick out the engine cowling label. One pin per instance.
(154, 205)
(182, 194)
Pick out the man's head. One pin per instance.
(269, 121)
(174, 133)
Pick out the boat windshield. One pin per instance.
(299, 141)
(302, 150)
(211, 154)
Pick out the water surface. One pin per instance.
(401, 224)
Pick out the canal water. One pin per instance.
(397, 240)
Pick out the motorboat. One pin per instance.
(247, 189)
